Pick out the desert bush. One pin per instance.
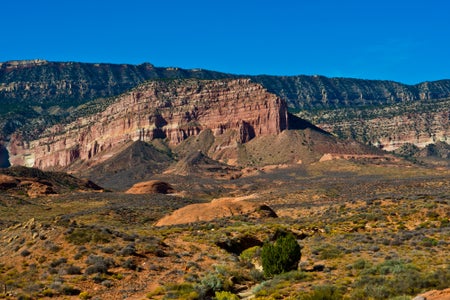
(323, 292)
(291, 276)
(128, 250)
(58, 262)
(70, 290)
(429, 242)
(279, 285)
(390, 279)
(107, 283)
(48, 292)
(327, 251)
(181, 291)
(32, 288)
(211, 283)
(226, 296)
(281, 256)
(97, 268)
(391, 266)
(439, 279)
(360, 264)
(256, 275)
(248, 254)
(98, 264)
(80, 236)
(190, 265)
(84, 295)
(159, 291)
(95, 259)
(51, 246)
(107, 250)
(129, 264)
(82, 250)
(444, 222)
(73, 270)
(99, 278)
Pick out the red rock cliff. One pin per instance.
(173, 110)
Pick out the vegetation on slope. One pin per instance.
(366, 231)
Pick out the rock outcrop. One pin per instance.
(36, 183)
(434, 295)
(172, 110)
(151, 187)
(8, 182)
(216, 209)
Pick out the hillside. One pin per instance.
(236, 111)
(44, 84)
(46, 91)
(196, 178)
(388, 126)
(206, 128)
(19, 181)
(365, 230)
(41, 93)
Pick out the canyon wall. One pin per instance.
(171, 109)
(389, 127)
(37, 94)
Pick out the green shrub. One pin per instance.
(48, 292)
(327, 251)
(281, 256)
(211, 283)
(360, 264)
(80, 236)
(181, 291)
(391, 278)
(84, 295)
(323, 292)
(226, 296)
(70, 290)
(248, 254)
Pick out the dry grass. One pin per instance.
(365, 230)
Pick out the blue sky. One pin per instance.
(405, 41)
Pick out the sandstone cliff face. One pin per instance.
(36, 94)
(174, 110)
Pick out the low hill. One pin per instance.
(435, 154)
(36, 183)
(137, 161)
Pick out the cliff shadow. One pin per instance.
(296, 123)
(4, 157)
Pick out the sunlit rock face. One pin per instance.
(173, 110)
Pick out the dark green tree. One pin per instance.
(281, 256)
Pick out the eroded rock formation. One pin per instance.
(216, 209)
(173, 110)
(151, 187)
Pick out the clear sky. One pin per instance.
(402, 40)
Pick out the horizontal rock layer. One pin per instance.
(389, 127)
(35, 94)
(173, 110)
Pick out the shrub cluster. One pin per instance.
(281, 256)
